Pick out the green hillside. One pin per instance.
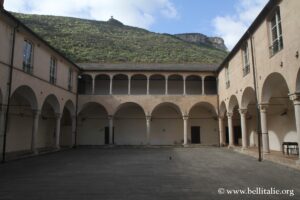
(88, 41)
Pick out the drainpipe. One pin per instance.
(9, 92)
(76, 111)
(259, 131)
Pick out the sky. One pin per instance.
(228, 19)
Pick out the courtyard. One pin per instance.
(143, 173)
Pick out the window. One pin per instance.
(246, 63)
(28, 57)
(227, 77)
(70, 80)
(53, 69)
(276, 33)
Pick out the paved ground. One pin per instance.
(142, 174)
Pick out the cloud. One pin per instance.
(232, 27)
(140, 13)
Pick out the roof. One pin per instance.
(37, 36)
(148, 67)
(253, 27)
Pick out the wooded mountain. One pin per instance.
(90, 41)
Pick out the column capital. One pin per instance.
(221, 117)
(243, 111)
(36, 112)
(58, 115)
(263, 108)
(148, 117)
(295, 98)
(110, 117)
(185, 117)
(229, 115)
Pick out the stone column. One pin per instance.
(243, 114)
(264, 128)
(111, 129)
(230, 129)
(129, 85)
(148, 85)
(296, 100)
(93, 85)
(185, 130)
(35, 127)
(203, 86)
(184, 85)
(222, 131)
(57, 131)
(111, 85)
(73, 130)
(166, 86)
(148, 124)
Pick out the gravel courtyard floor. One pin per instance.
(144, 173)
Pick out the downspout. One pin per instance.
(76, 111)
(9, 93)
(256, 99)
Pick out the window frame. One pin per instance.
(246, 58)
(276, 43)
(70, 79)
(53, 70)
(227, 80)
(28, 57)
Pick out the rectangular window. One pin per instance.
(53, 69)
(246, 62)
(276, 33)
(70, 80)
(227, 77)
(28, 57)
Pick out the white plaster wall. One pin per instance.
(281, 129)
(130, 126)
(166, 127)
(19, 133)
(46, 132)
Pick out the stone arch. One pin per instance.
(248, 96)
(23, 103)
(126, 104)
(206, 104)
(233, 102)
(67, 137)
(175, 84)
(203, 120)
(130, 124)
(71, 107)
(173, 105)
(92, 124)
(222, 109)
(166, 125)
(275, 85)
(157, 83)
(27, 93)
(210, 85)
(139, 84)
(102, 84)
(53, 101)
(120, 84)
(85, 84)
(193, 84)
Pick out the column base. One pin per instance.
(35, 152)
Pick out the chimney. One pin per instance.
(1, 4)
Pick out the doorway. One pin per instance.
(106, 135)
(195, 135)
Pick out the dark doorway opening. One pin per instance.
(227, 135)
(195, 135)
(237, 135)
